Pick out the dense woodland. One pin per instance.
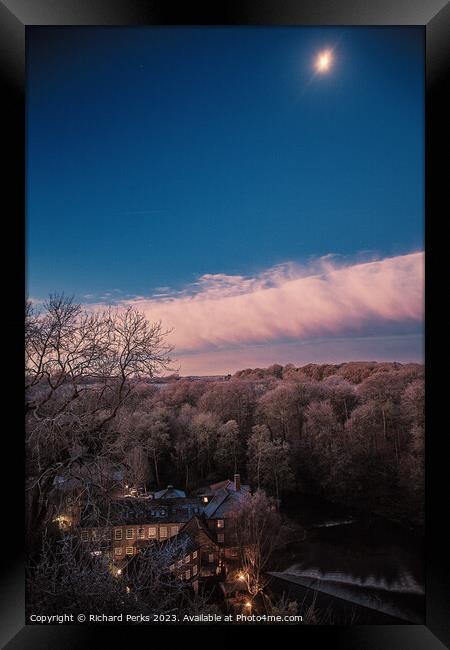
(351, 433)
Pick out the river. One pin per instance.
(363, 569)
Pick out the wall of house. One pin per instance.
(124, 540)
(187, 567)
(222, 531)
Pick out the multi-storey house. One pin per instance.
(220, 514)
(125, 525)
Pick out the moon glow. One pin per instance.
(323, 61)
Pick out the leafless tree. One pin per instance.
(81, 367)
(72, 576)
(258, 532)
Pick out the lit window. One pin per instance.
(220, 537)
(129, 550)
(84, 535)
(129, 533)
(152, 531)
(194, 554)
(118, 533)
(187, 575)
(118, 551)
(172, 567)
(187, 559)
(141, 533)
(220, 523)
(194, 570)
(163, 531)
(211, 558)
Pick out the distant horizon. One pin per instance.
(339, 363)
(224, 372)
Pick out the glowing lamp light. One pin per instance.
(241, 577)
(248, 604)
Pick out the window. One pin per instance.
(211, 558)
(187, 575)
(163, 531)
(94, 534)
(130, 533)
(162, 512)
(141, 533)
(173, 530)
(118, 533)
(196, 510)
(220, 537)
(220, 523)
(84, 535)
(118, 550)
(152, 531)
(172, 567)
(179, 563)
(194, 555)
(187, 559)
(194, 570)
(107, 534)
(129, 550)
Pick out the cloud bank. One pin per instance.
(291, 303)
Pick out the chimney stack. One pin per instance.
(237, 482)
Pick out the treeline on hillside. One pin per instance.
(353, 371)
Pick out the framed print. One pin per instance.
(222, 228)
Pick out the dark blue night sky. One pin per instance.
(156, 155)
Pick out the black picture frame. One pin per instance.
(15, 16)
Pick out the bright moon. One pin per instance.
(323, 61)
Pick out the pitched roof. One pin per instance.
(215, 487)
(224, 501)
(222, 484)
(185, 543)
(196, 528)
(118, 512)
(169, 493)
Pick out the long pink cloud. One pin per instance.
(288, 302)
